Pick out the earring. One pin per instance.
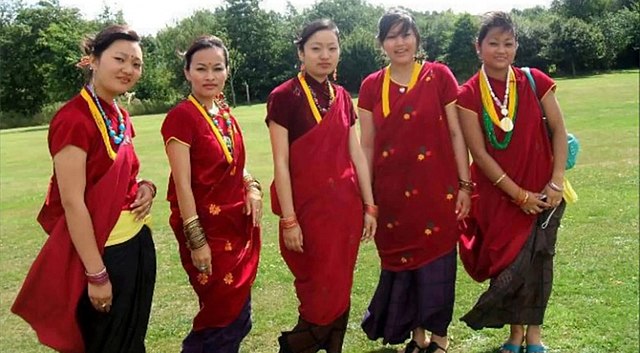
(335, 74)
(302, 67)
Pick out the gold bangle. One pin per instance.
(504, 175)
(188, 220)
(194, 234)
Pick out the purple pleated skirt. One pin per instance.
(406, 300)
(221, 339)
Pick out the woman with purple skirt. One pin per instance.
(414, 147)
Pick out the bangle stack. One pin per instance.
(252, 184)
(504, 175)
(555, 187)
(194, 233)
(523, 197)
(467, 185)
(98, 278)
(371, 210)
(288, 222)
(150, 184)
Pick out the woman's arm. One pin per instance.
(292, 234)
(463, 203)
(180, 163)
(475, 141)
(364, 181)
(70, 168)
(559, 144)
(367, 137)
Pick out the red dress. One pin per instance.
(326, 200)
(415, 179)
(497, 229)
(218, 189)
(46, 302)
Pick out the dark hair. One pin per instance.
(496, 19)
(313, 27)
(397, 16)
(205, 42)
(102, 41)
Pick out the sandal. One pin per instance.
(411, 346)
(536, 348)
(513, 348)
(433, 348)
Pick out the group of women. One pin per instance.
(404, 181)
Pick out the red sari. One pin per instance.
(49, 297)
(328, 207)
(497, 229)
(414, 171)
(219, 193)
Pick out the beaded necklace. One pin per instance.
(323, 110)
(313, 100)
(509, 105)
(117, 138)
(220, 110)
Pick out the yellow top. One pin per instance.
(126, 228)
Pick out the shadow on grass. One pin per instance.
(23, 129)
(383, 350)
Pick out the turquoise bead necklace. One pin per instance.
(117, 138)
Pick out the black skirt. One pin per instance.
(519, 294)
(132, 272)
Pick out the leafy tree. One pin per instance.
(574, 45)
(436, 30)
(621, 31)
(533, 37)
(461, 54)
(361, 56)
(582, 9)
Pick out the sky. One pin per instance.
(150, 16)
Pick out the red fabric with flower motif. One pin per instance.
(329, 208)
(414, 170)
(497, 229)
(219, 193)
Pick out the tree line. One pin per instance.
(39, 45)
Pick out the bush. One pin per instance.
(146, 106)
(11, 119)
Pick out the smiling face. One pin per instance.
(320, 54)
(207, 73)
(117, 69)
(498, 49)
(400, 45)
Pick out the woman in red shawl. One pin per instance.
(321, 182)
(518, 165)
(91, 286)
(215, 204)
(420, 170)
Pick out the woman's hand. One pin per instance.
(293, 238)
(534, 203)
(253, 206)
(463, 204)
(370, 226)
(554, 197)
(141, 207)
(101, 296)
(201, 259)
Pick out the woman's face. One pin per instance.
(498, 49)
(320, 54)
(207, 73)
(118, 68)
(400, 46)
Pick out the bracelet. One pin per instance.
(194, 233)
(98, 278)
(504, 175)
(371, 210)
(188, 220)
(252, 184)
(288, 222)
(150, 184)
(523, 197)
(466, 185)
(555, 187)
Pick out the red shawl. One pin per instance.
(497, 229)
(56, 281)
(329, 209)
(414, 172)
(219, 193)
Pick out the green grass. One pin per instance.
(593, 308)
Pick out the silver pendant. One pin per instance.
(403, 89)
(506, 124)
(504, 111)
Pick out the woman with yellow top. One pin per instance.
(91, 286)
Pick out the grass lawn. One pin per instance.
(593, 308)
